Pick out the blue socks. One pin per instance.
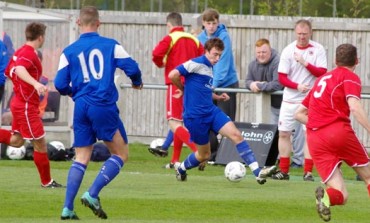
(168, 141)
(189, 162)
(74, 179)
(108, 172)
(247, 155)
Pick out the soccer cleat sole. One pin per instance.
(322, 209)
(74, 217)
(98, 212)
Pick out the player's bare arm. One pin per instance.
(301, 114)
(358, 112)
(174, 75)
(221, 97)
(23, 74)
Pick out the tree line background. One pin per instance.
(314, 8)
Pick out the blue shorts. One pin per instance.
(91, 122)
(200, 127)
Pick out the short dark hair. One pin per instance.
(346, 55)
(210, 15)
(34, 30)
(174, 18)
(214, 43)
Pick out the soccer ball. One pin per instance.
(15, 153)
(235, 171)
(57, 145)
(156, 143)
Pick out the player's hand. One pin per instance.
(40, 88)
(137, 87)
(178, 93)
(303, 88)
(254, 88)
(298, 57)
(224, 97)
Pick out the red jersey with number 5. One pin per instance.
(327, 100)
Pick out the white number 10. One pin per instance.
(95, 53)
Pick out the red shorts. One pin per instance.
(26, 120)
(331, 145)
(174, 106)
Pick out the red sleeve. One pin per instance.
(316, 71)
(160, 51)
(284, 80)
(306, 100)
(200, 49)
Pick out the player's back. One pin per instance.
(92, 63)
(328, 101)
(183, 50)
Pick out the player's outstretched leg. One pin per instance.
(94, 205)
(322, 204)
(68, 215)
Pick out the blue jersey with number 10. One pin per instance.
(86, 69)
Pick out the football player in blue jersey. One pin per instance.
(201, 116)
(86, 73)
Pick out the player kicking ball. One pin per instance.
(201, 116)
(331, 139)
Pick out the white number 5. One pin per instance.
(322, 84)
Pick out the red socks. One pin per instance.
(177, 148)
(284, 164)
(41, 161)
(5, 136)
(308, 165)
(335, 196)
(184, 136)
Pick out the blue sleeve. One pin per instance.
(182, 70)
(127, 64)
(221, 68)
(131, 69)
(9, 45)
(3, 63)
(62, 79)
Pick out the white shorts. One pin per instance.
(286, 118)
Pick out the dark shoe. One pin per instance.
(308, 177)
(280, 176)
(179, 176)
(52, 184)
(322, 204)
(169, 166)
(68, 215)
(295, 165)
(158, 152)
(202, 166)
(94, 205)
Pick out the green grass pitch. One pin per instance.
(146, 192)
